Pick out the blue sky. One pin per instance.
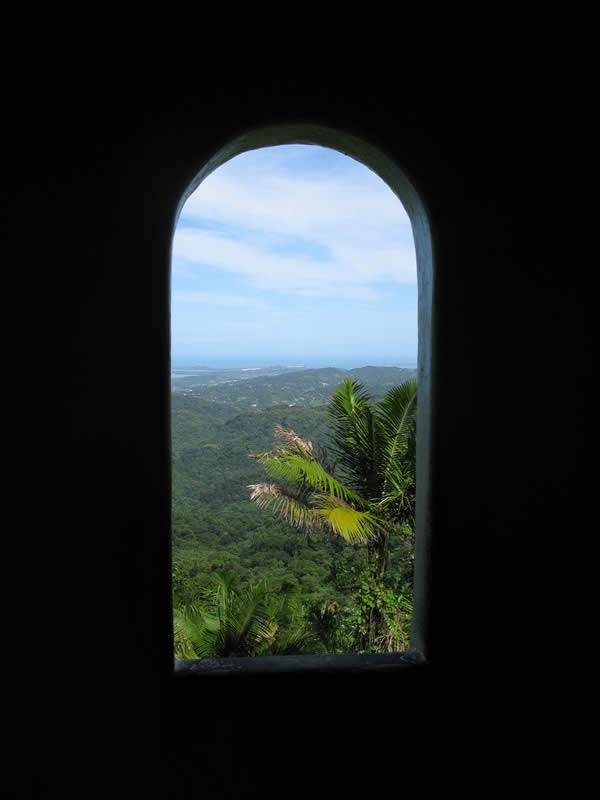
(294, 254)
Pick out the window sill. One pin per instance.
(299, 665)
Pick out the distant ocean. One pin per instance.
(343, 362)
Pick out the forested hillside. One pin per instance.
(216, 527)
(214, 523)
(308, 388)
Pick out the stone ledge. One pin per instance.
(305, 664)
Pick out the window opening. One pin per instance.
(293, 271)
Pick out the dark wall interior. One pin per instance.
(499, 145)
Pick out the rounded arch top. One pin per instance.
(396, 179)
(344, 142)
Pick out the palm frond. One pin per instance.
(354, 526)
(347, 413)
(224, 580)
(353, 433)
(297, 468)
(397, 413)
(322, 456)
(295, 507)
(287, 438)
(298, 639)
(265, 634)
(194, 638)
(250, 612)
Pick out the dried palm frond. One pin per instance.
(294, 507)
(286, 437)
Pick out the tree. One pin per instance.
(229, 622)
(366, 494)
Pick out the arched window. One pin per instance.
(392, 174)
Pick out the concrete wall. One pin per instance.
(500, 172)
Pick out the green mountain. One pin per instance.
(304, 388)
(215, 526)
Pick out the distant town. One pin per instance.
(248, 388)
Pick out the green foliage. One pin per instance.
(215, 529)
(394, 615)
(327, 622)
(233, 392)
(374, 447)
(228, 621)
(373, 498)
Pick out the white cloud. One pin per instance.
(350, 271)
(358, 206)
(362, 223)
(264, 238)
(213, 298)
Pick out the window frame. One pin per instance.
(419, 654)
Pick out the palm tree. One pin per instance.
(231, 622)
(367, 493)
